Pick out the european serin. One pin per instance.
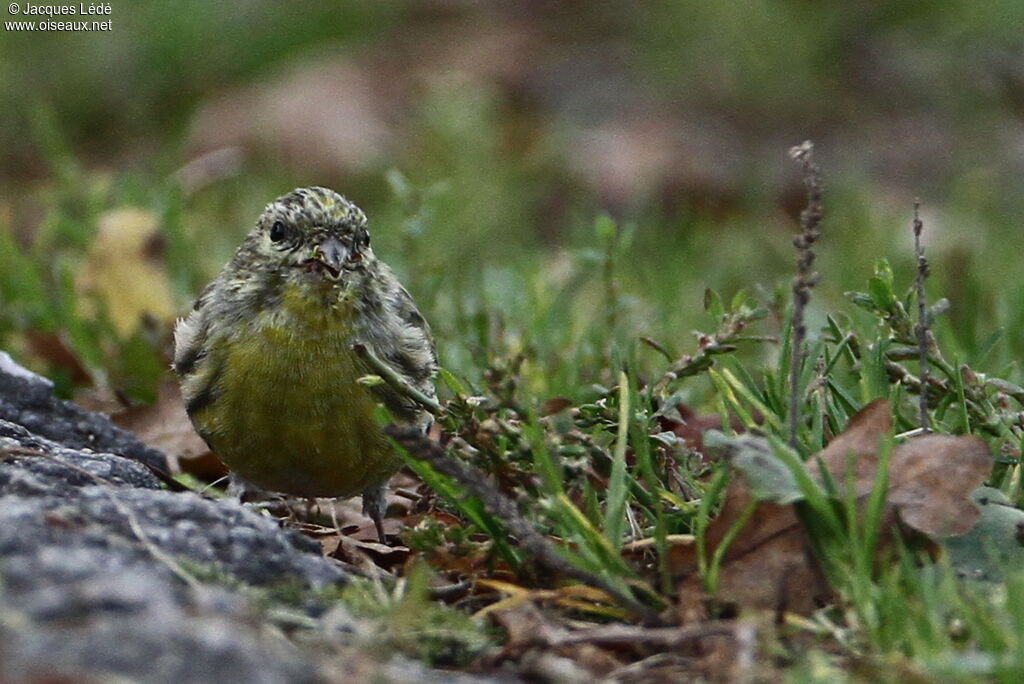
(266, 360)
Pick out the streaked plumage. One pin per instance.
(265, 358)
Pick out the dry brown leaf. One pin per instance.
(534, 639)
(356, 552)
(349, 516)
(861, 438)
(54, 349)
(165, 426)
(930, 477)
(769, 564)
(555, 405)
(523, 623)
(124, 274)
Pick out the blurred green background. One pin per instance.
(486, 140)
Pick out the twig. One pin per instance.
(451, 592)
(697, 363)
(810, 223)
(397, 382)
(166, 478)
(543, 552)
(922, 316)
(708, 346)
(665, 637)
(648, 542)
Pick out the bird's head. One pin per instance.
(312, 233)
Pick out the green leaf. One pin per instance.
(605, 229)
(882, 295)
(861, 299)
(883, 271)
(669, 438)
(726, 381)
(615, 520)
(986, 347)
(739, 300)
(452, 383)
(713, 303)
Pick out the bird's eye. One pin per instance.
(277, 232)
(364, 238)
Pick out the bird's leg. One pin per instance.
(243, 490)
(311, 508)
(374, 506)
(246, 492)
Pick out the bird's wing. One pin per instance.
(190, 335)
(409, 350)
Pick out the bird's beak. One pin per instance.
(332, 254)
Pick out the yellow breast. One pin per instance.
(290, 416)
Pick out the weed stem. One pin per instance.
(806, 278)
(922, 317)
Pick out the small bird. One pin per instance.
(268, 361)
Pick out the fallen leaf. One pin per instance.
(932, 477)
(581, 598)
(533, 640)
(555, 405)
(348, 513)
(769, 563)
(124, 274)
(164, 425)
(53, 348)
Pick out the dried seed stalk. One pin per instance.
(806, 278)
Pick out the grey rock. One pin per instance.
(92, 552)
(28, 400)
(13, 368)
